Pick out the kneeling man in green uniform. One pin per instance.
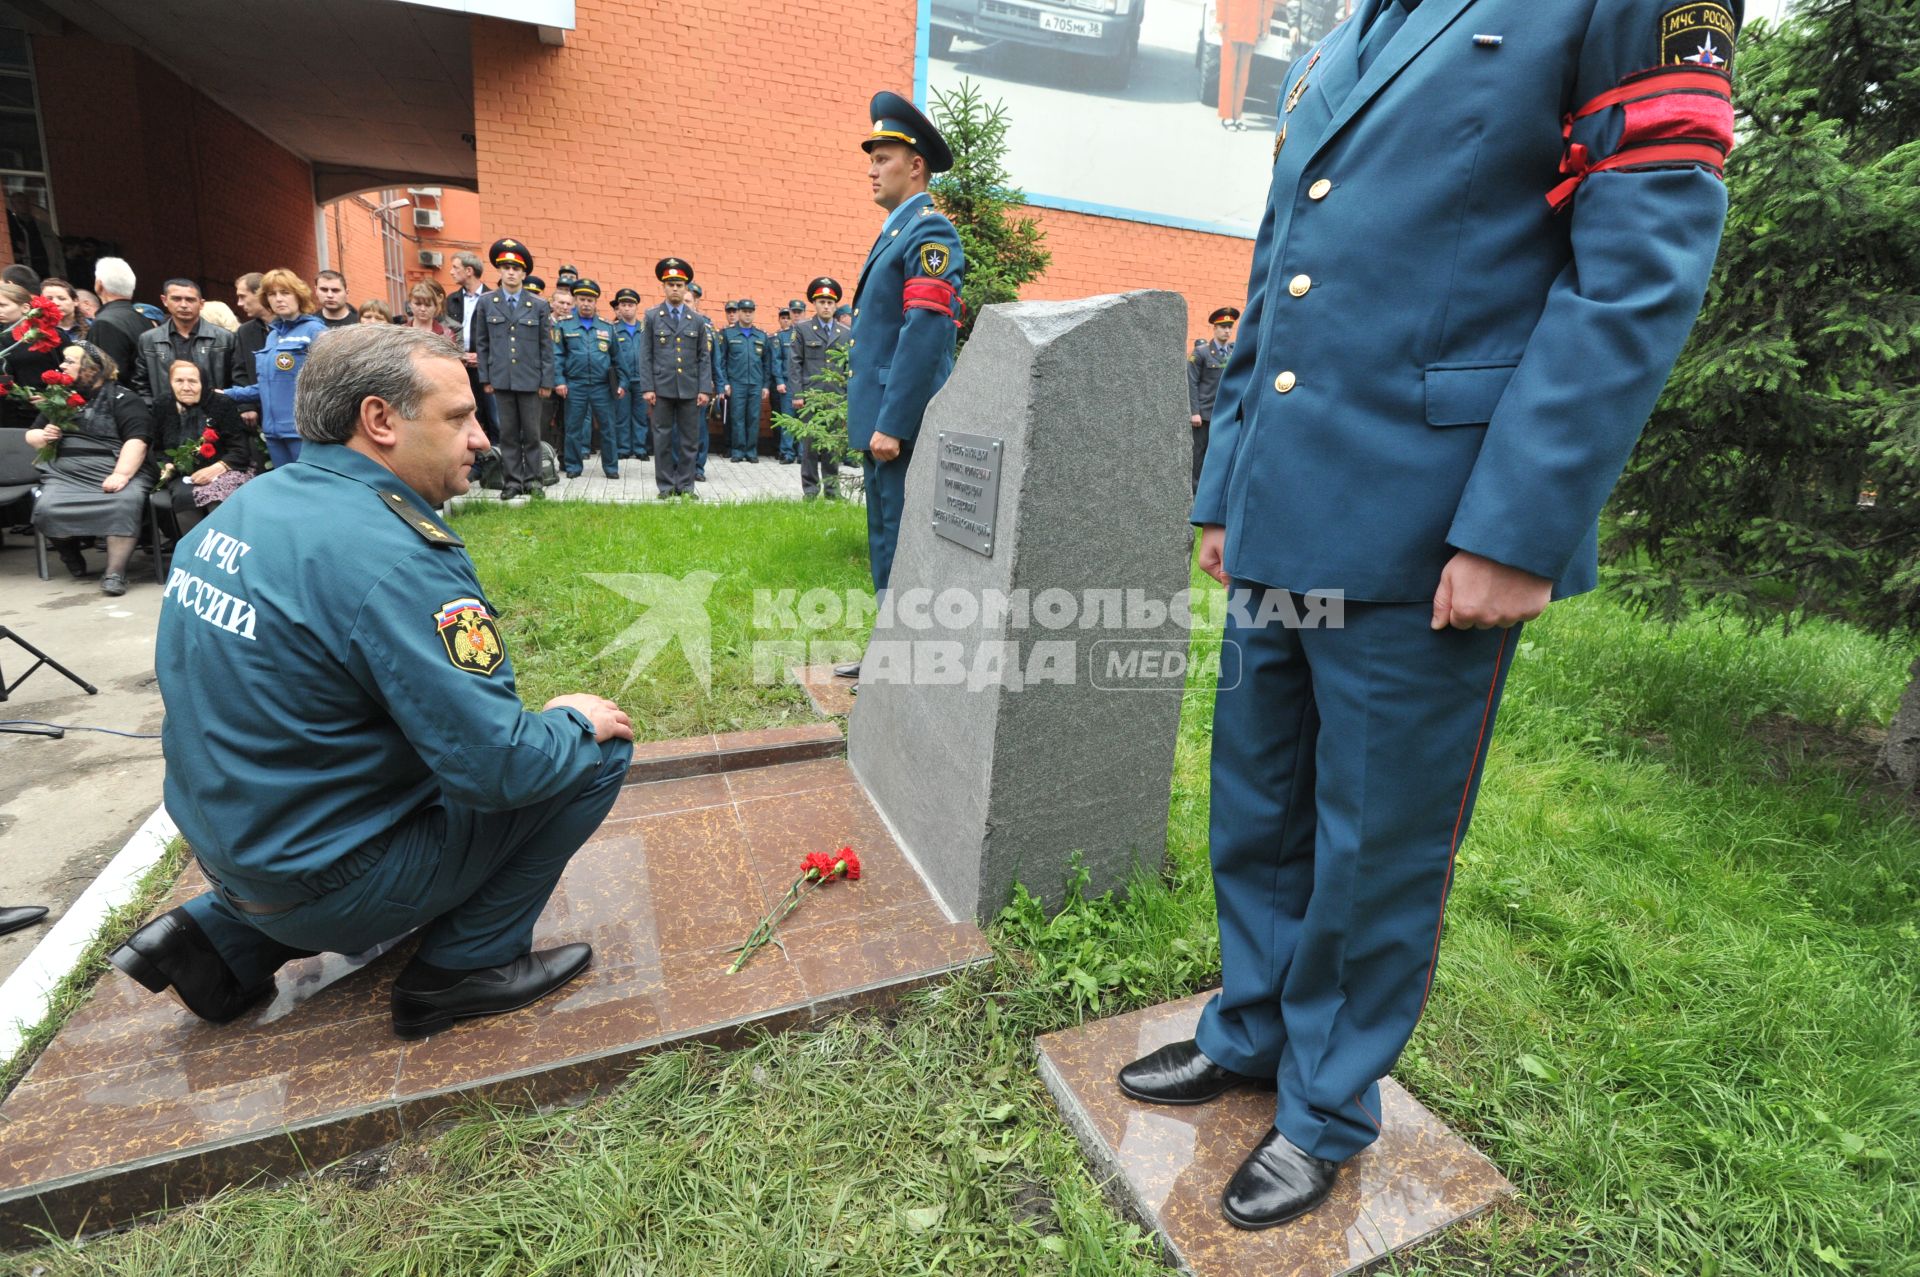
(346, 753)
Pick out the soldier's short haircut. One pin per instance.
(349, 365)
(472, 262)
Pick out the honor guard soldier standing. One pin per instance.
(372, 771)
(513, 337)
(676, 378)
(589, 382)
(1449, 358)
(1204, 366)
(906, 311)
(634, 433)
(746, 363)
(783, 375)
(712, 413)
(813, 341)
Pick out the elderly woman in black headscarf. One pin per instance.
(223, 456)
(98, 480)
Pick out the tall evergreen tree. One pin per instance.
(1780, 473)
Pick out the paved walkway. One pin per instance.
(763, 480)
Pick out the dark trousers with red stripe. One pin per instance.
(1345, 763)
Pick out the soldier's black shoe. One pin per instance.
(172, 951)
(1182, 1074)
(14, 917)
(427, 998)
(1276, 1183)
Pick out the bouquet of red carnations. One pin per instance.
(816, 871)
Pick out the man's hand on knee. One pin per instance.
(610, 722)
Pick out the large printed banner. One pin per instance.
(1157, 110)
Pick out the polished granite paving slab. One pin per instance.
(137, 1105)
(1169, 1164)
(832, 696)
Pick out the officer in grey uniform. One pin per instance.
(676, 378)
(368, 768)
(813, 340)
(1204, 366)
(513, 337)
(746, 365)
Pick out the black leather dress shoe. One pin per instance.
(1182, 1074)
(173, 951)
(14, 917)
(1276, 1183)
(427, 999)
(849, 670)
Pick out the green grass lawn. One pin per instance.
(1678, 1002)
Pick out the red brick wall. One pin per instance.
(354, 249)
(175, 183)
(649, 134)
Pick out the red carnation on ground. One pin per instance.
(76, 401)
(817, 869)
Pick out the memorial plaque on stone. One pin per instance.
(968, 491)
(1009, 717)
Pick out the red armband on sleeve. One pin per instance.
(929, 292)
(1675, 115)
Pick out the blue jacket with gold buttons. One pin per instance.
(1478, 262)
(905, 315)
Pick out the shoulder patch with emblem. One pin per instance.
(935, 258)
(470, 636)
(1699, 34)
(429, 531)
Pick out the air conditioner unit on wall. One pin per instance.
(430, 192)
(430, 258)
(428, 219)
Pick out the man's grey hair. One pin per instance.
(114, 277)
(349, 365)
(472, 262)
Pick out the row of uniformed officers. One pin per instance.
(645, 381)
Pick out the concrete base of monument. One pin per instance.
(136, 1105)
(1169, 1165)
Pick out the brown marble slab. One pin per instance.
(1169, 1164)
(136, 1105)
(832, 696)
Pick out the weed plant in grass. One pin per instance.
(1676, 1003)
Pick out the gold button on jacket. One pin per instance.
(1318, 191)
(1299, 285)
(1284, 382)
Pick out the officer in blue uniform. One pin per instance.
(366, 767)
(676, 378)
(634, 433)
(1204, 366)
(712, 414)
(783, 375)
(906, 311)
(1446, 360)
(513, 342)
(588, 380)
(746, 361)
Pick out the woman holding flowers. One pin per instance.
(96, 482)
(292, 330)
(22, 363)
(73, 324)
(207, 451)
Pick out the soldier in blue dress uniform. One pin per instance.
(367, 768)
(783, 375)
(1445, 361)
(746, 365)
(590, 383)
(712, 414)
(633, 432)
(676, 378)
(906, 312)
(1204, 366)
